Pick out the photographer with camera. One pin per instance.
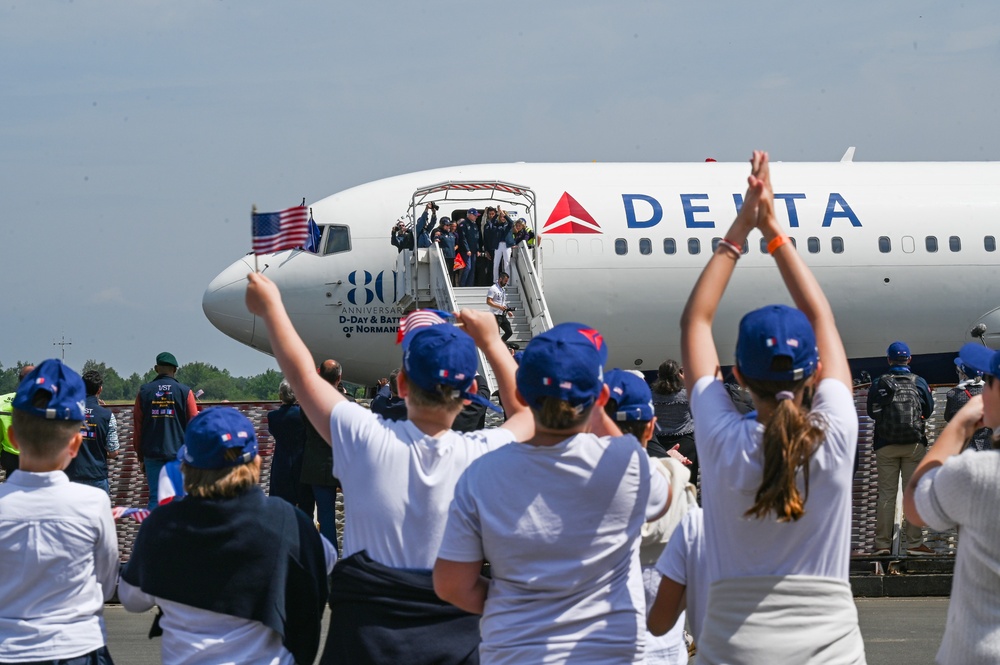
(496, 298)
(402, 236)
(424, 231)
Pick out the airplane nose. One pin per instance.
(224, 302)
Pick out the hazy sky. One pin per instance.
(135, 135)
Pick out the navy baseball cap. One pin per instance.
(978, 358)
(441, 354)
(565, 362)
(632, 394)
(218, 438)
(898, 351)
(773, 331)
(472, 211)
(67, 396)
(967, 370)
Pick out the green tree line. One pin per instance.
(218, 384)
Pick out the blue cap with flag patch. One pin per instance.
(52, 391)
(632, 394)
(978, 358)
(898, 351)
(776, 331)
(968, 370)
(218, 438)
(565, 362)
(442, 355)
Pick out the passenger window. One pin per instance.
(837, 245)
(794, 244)
(715, 243)
(990, 243)
(930, 242)
(338, 239)
(645, 247)
(621, 246)
(694, 246)
(813, 245)
(763, 246)
(884, 244)
(669, 246)
(955, 244)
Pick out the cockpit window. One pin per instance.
(337, 239)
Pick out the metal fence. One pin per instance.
(128, 484)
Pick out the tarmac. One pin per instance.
(897, 631)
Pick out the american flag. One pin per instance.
(420, 318)
(275, 231)
(138, 514)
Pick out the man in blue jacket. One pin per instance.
(470, 246)
(900, 402)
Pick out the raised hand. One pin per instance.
(262, 294)
(746, 219)
(481, 326)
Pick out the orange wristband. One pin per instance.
(775, 243)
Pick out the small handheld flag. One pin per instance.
(420, 318)
(275, 231)
(138, 514)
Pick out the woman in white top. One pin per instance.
(954, 489)
(776, 484)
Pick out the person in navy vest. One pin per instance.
(163, 408)
(100, 438)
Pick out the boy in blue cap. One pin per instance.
(60, 552)
(952, 490)
(630, 405)
(558, 517)
(398, 479)
(239, 577)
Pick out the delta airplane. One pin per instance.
(903, 251)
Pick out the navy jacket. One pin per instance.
(252, 557)
(468, 237)
(91, 462)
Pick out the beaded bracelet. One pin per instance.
(776, 242)
(731, 246)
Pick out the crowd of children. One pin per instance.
(594, 548)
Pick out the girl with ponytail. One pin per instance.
(776, 483)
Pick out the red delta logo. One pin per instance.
(570, 217)
(595, 337)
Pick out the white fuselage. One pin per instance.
(612, 269)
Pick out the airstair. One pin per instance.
(423, 280)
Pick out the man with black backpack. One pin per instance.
(900, 402)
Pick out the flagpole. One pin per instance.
(253, 211)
